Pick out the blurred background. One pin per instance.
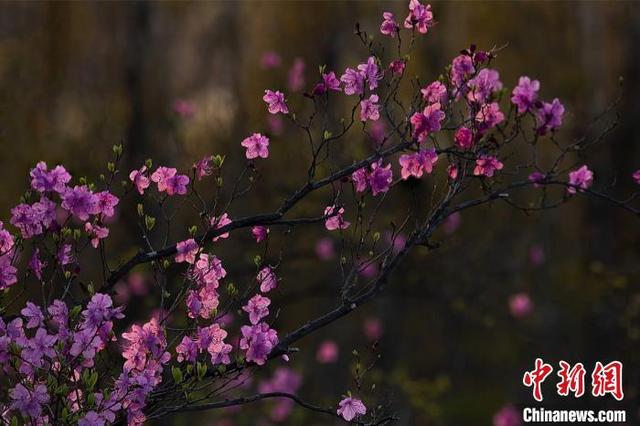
(457, 327)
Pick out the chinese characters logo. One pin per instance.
(605, 379)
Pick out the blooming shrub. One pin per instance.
(64, 360)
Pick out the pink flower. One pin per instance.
(139, 179)
(6, 240)
(507, 416)
(29, 403)
(107, 203)
(487, 165)
(335, 221)
(203, 167)
(550, 116)
(464, 138)
(366, 268)
(275, 101)
(369, 109)
(489, 116)
(327, 352)
(397, 66)
(296, 75)
(187, 251)
(96, 233)
(187, 350)
(81, 202)
(325, 249)
(329, 82)
(389, 26)
(537, 178)
(350, 408)
(168, 180)
(370, 72)
(452, 223)
(580, 179)
(267, 279)
(43, 180)
(636, 176)
(258, 340)
(420, 17)
(219, 222)
(33, 314)
(484, 85)
(461, 68)
(520, 305)
(525, 94)
(260, 233)
(373, 328)
(452, 171)
(427, 121)
(353, 82)
(183, 108)
(270, 59)
(436, 92)
(418, 163)
(65, 255)
(380, 178)
(360, 179)
(257, 307)
(36, 265)
(257, 145)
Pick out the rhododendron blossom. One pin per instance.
(389, 26)
(267, 279)
(139, 179)
(351, 408)
(370, 72)
(275, 102)
(170, 181)
(580, 179)
(525, 94)
(80, 202)
(203, 167)
(369, 109)
(420, 17)
(257, 307)
(43, 180)
(329, 82)
(427, 121)
(187, 251)
(550, 116)
(219, 222)
(483, 85)
(258, 340)
(487, 165)
(464, 138)
(435, 92)
(418, 163)
(353, 81)
(461, 69)
(335, 220)
(257, 145)
(489, 116)
(260, 233)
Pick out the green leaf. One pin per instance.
(177, 374)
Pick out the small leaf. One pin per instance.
(177, 374)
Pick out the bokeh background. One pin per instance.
(77, 77)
